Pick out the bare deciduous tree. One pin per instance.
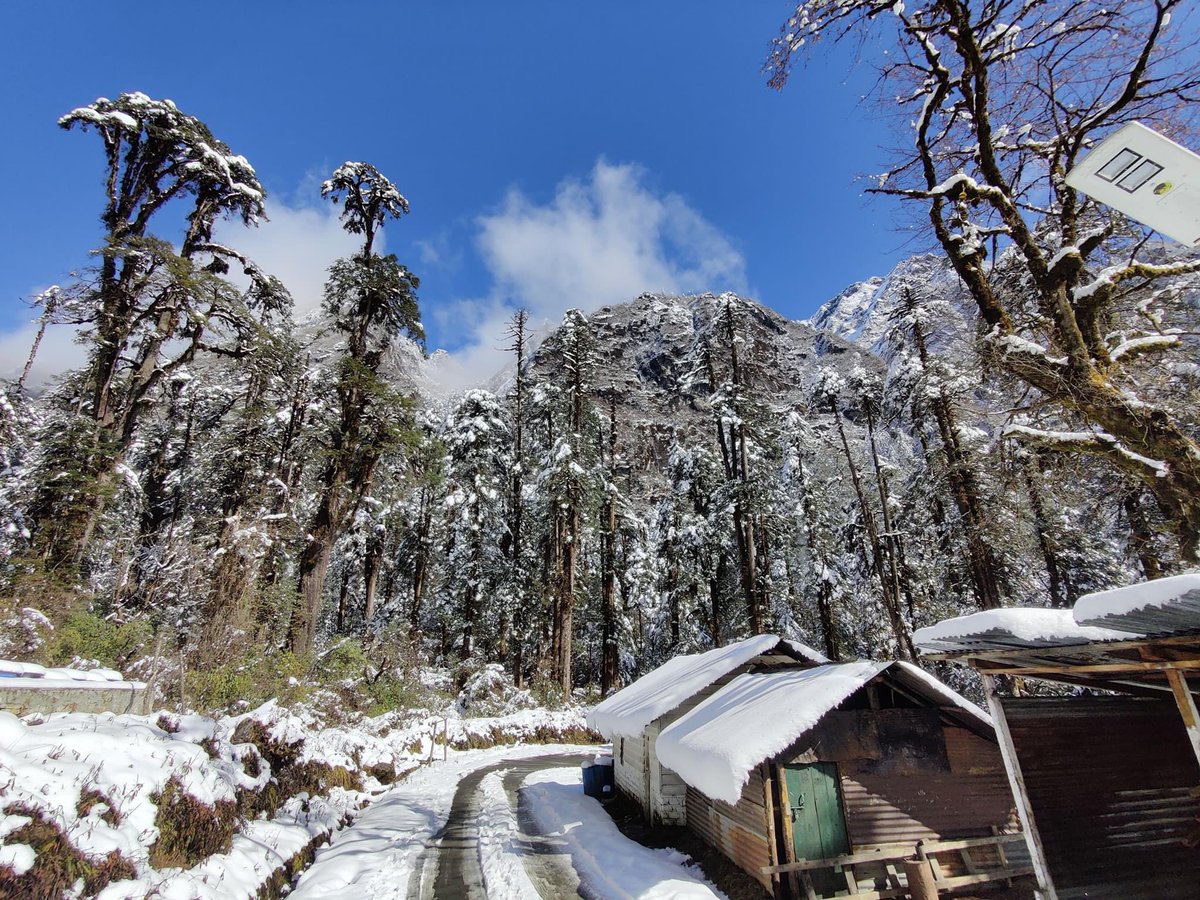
(1001, 98)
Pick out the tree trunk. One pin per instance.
(891, 605)
(608, 564)
(960, 476)
(371, 566)
(817, 552)
(314, 564)
(1041, 526)
(1141, 537)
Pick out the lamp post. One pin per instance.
(1148, 177)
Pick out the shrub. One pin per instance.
(254, 679)
(58, 865)
(189, 830)
(87, 635)
(289, 776)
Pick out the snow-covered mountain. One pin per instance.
(862, 313)
(649, 352)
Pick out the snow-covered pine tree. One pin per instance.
(477, 438)
(370, 300)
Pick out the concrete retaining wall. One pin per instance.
(115, 697)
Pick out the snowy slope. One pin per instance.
(862, 313)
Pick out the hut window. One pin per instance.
(622, 751)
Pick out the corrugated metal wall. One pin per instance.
(740, 832)
(906, 776)
(1109, 781)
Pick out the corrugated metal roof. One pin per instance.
(1176, 616)
(1011, 628)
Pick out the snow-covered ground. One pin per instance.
(608, 863)
(378, 855)
(99, 782)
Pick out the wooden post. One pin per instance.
(919, 873)
(772, 841)
(1187, 708)
(789, 840)
(1016, 782)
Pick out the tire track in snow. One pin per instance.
(450, 866)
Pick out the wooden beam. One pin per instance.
(772, 840)
(1016, 781)
(1150, 690)
(1187, 708)
(966, 656)
(1102, 668)
(888, 852)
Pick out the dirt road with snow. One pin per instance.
(452, 866)
(510, 823)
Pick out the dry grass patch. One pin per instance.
(58, 865)
(189, 830)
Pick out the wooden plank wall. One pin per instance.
(963, 793)
(668, 793)
(1110, 782)
(740, 832)
(628, 768)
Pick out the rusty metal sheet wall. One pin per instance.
(740, 831)
(882, 809)
(1109, 781)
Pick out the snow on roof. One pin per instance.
(1012, 627)
(806, 652)
(656, 693)
(714, 746)
(1165, 605)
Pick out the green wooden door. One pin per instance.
(814, 798)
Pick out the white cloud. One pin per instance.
(296, 244)
(57, 353)
(600, 241)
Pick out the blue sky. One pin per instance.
(555, 154)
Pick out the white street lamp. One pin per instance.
(1146, 176)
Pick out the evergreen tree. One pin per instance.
(370, 299)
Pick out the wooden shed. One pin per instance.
(1107, 778)
(819, 782)
(633, 717)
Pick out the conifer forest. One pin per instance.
(1008, 417)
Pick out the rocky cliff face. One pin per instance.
(862, 314)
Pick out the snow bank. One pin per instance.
(1025, 624)
(1160, 593)
(124, 758)
(655, 694)
(714, 746)
(95, 777)
(609, 864)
